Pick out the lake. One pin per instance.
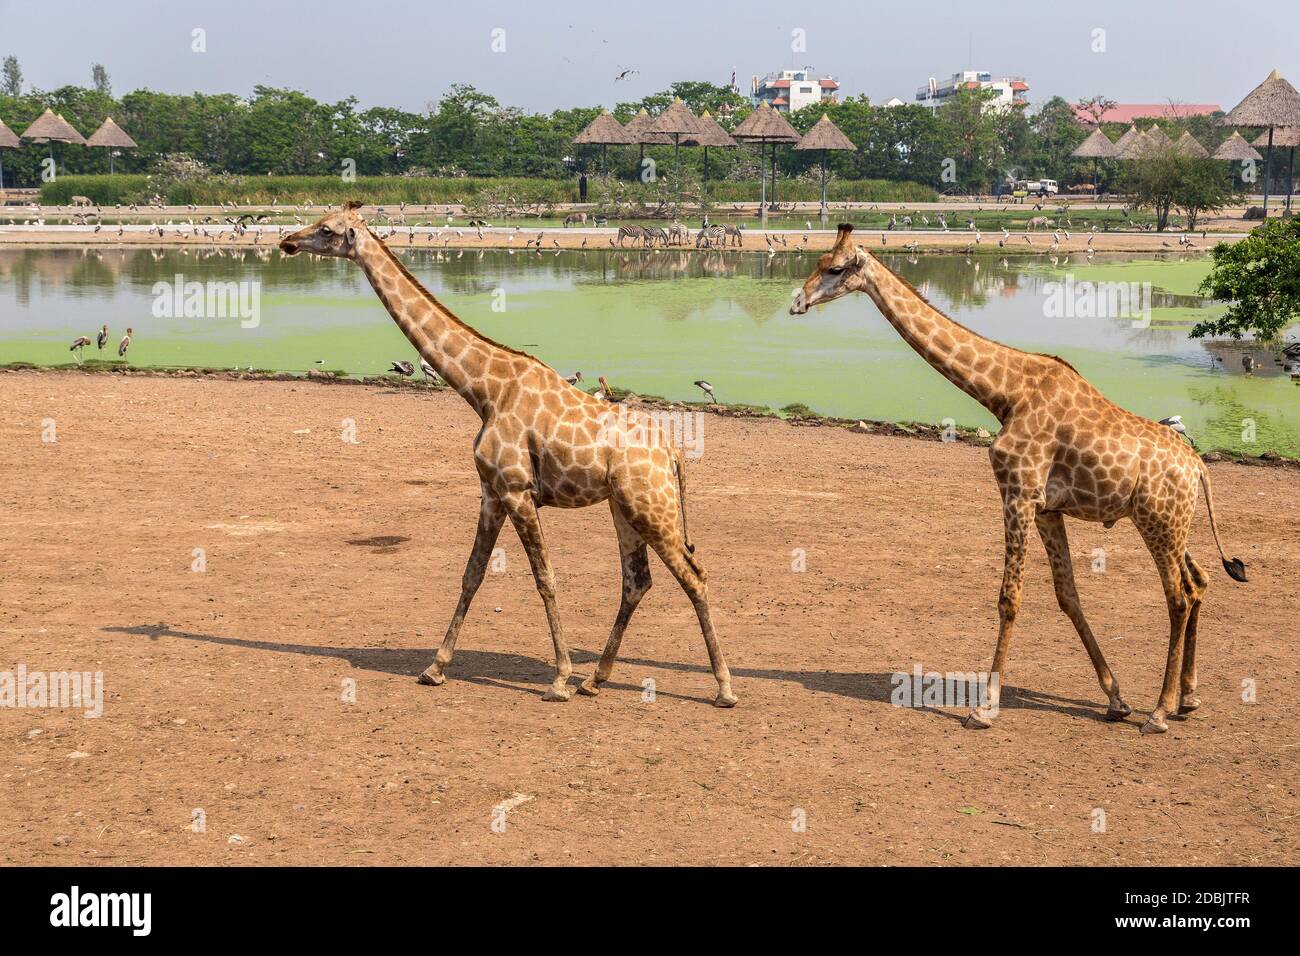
(654, 322)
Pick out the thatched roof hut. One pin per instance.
(8, 138)
(765, 124)
(1188, 145)
(604, 130)
(1284, 136)
(676, 121)
(1125, 142)
(1096, 146)
(1157, 138)
(1274, 102)
(709, 133)
(111, 135)
(1236, 149)
(1139, 147)
(52, 128)
(825, 135)
(639, 127)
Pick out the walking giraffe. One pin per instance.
(1063, 450)
(543, 442)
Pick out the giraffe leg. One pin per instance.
(523, 514)
(1170, 566)
(636, 582)
(491, 515)
(1018, 515)
(1197, 581)
(1051, 528)
(671, 548)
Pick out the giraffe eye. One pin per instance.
(834, 270)
(327, 230)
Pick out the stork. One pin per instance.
(79, 343)
(706, 388)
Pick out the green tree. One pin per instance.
(972, 131)
(1260, 279)
(12, 83)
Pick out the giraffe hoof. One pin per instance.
(431, 679)
(1189, 704)
(1120, 712)
(1154, 726)
(974, 721)
(589, 687)
(725, 698)
(561, 693)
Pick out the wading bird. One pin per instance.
(125, 344)
(102, 337)
(79, 343)
(1176, 423)
(707, 389)
(402, 368)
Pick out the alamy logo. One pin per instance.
(642, 428)
(179, 299)
(103, 909)
(1098, 300)
(932, 689)
(40, 689)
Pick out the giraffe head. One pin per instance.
(336, 234)
(846, 268)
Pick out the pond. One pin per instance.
(655, 322)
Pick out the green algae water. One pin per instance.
(654, 322)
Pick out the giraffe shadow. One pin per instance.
(508, 671)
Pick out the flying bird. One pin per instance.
(625, 74)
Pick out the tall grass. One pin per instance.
(296, 190)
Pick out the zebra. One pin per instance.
(707, 236)
(677, 234)
(731, 233)
(630, 232)
(654, 235)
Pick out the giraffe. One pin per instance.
(543, 442)
(1063, 450)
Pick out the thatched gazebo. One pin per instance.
(639, 127)
(709, 133)
(110, 136)
(1139, 147)
(765, 125)
(1096, 147)
(1125, 142)
(1235, 149)
(825, 136)
(1273, 103)
(8, 140)
(52, 128)
(676, 121)
(1187, 145)
(1158, 139)
(604, 131)
(1288, 138)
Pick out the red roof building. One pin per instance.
(1129, 112)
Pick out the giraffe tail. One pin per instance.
(681, 500)
(1235, 567)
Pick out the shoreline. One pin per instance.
(806, 418)
(524, 239)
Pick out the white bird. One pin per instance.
(1176, 423)
(573, 379)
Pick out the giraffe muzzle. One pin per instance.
(800, 304)
(289, 247)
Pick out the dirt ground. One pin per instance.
(333, 567)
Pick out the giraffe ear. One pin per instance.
(352, 235)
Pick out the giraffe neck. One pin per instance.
(983, 369)
(459, 354)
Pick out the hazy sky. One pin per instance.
(561, 54)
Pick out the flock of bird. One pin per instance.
(101, 339)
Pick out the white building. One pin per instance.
(1010, 90)
(791, 90)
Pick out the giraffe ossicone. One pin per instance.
(543, 442)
